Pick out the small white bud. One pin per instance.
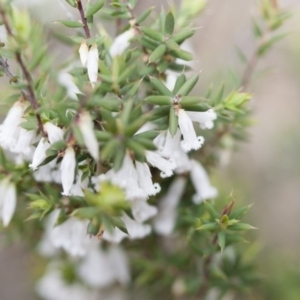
(67, 168)
(8, 200)
(190, 140)
(86, 127)
(83, 52)
(55, 134)
(39, 154)
(92, 64)
(121, 42)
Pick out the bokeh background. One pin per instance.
(264, 171)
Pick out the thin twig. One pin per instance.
(207, 262)
(249, 71)
(83, 19)
(30, 96)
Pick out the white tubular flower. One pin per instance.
(71, 236)
(126, 178)
(67, 168)
(205, 119)
(115, 237)
(165, 220)
(145, 179)
(10, 128)
(52, 286)
(79, 185)
(101, 268)
(48, 173)
(23, 144)
(92, 64)
(86, 127)
(172, 149)
(190, 139)
(66, 80)
(142, 211)
(165, 166)
(39, 154)
(200, 180)
(55, 134)
(121, 43)
(135, 229)
(8, 200)
(171, 79)
(83, 52)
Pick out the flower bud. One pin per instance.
(67, 168)
(39, 154)
(121, 43)
(8, 200)
(55, 134)
(86, 127)
(92, 64)
(83, 52)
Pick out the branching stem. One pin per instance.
(30, 96)
(83, 19)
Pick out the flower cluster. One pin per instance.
(106, 146)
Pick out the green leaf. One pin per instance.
(118, 160)
(256, 29)
(267, 45)
(159, 112)
(95, 8)
(144, 15)
(172, 45)
(183, 35)
(169, 23)
(219, 96)
(60, 145)
(71, 24)
(222, 240)
(103, 136)
(160, 87)
(109, 149)
(136, 147)
(173, 122)
(109, 104)
(133, 127)
(241, 227)
(94, 226)
(188, 85)
(209, 227)
(211, 210)
(151, 134)
(148, 144)
(85, 213)
(182, 54)
(127, 110)
(239, 213)
(181, 79)
(157, 53)
(159, 100)
(72, 3)
(29, 124)
(120, 224)
(153, 34)
(191, 100)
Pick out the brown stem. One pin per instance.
(249, 71)
(83, 19)
(30, 96)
